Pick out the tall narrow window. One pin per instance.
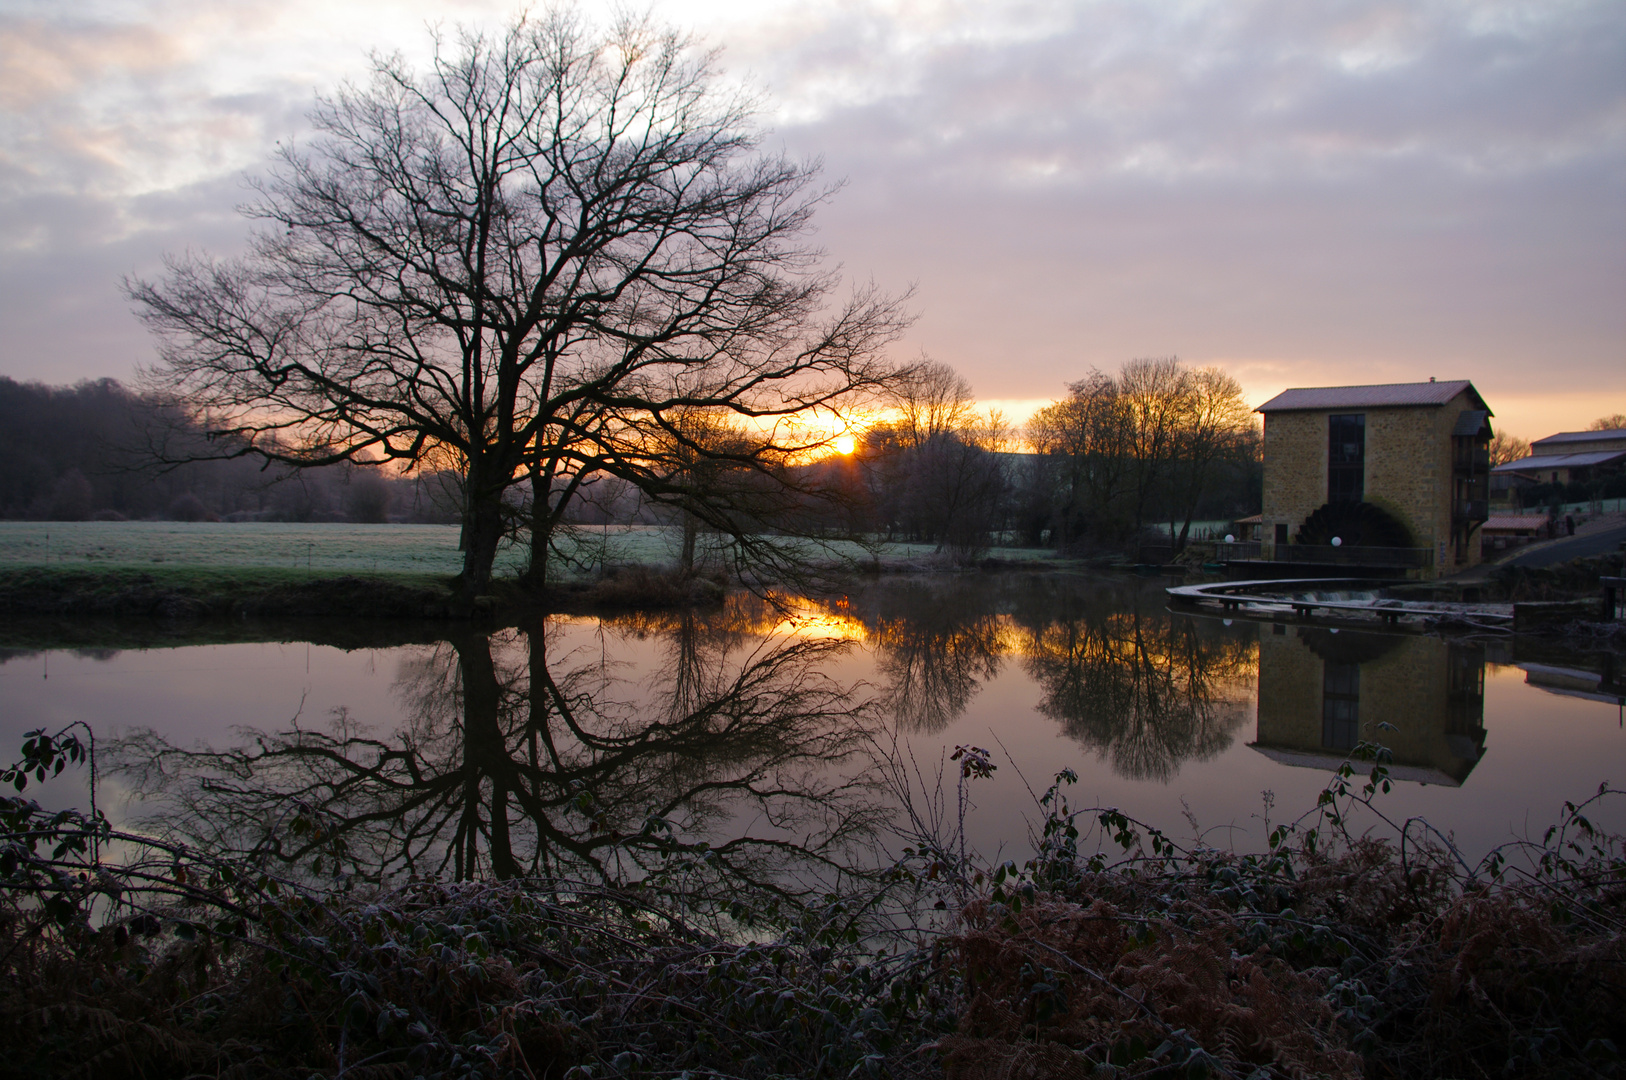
(1340, 706)
(1346, 458)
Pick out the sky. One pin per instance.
(1305, 194)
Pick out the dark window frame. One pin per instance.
(1340, 705)
(1346, 457)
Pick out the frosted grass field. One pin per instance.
(349, 549)
(355, 549)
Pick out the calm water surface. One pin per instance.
(547, 746)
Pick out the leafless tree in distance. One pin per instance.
(1505, 448)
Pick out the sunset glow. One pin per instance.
(846, 444)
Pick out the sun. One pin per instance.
(846, 444)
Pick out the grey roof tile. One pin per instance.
(1561, 461)
(1375, 396)
(1583, 436)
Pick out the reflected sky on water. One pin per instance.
(497, 753)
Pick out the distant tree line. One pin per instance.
(1096, 470)
(92, 451)
(1100, 469)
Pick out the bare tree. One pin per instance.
(1155, 393)
(1614, 422)
(931, 399)
(1505, 448)
(504, 262)
(1153, 438)
(934, 470)
(1086, 436)
(1215, 424)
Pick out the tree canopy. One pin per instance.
(530, 261)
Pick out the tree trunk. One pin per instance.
(485, 758)
(691, 530)
(482, 531)
(536, 575)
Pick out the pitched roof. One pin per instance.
(1583, 436)
(1380, 395)
(1561, 461)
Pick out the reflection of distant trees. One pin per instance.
(521, 756)
(1147, 691)
(697, 646)
(934, 649)
(934, 669)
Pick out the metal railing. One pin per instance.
(1355, 555)
(1326, 554)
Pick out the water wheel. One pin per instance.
(1359, 523)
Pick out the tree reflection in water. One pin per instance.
(545, 750)
(1148, 690)
(934, 647)
(528, 753)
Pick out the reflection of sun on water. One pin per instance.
(808, 621)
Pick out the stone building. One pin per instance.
(1388, 476)
(1322, 692)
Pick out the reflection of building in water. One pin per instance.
(1577, 682)
(1321, 692)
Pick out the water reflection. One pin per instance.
(613, 748)
(1321, 692)
(1146, 689)
(534, 751)
(934, 649)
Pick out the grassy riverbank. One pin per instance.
(178, 571)
(200, 592)
(374, 550)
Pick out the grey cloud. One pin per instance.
(1224, 187)
(1308, 192)
(63, 305)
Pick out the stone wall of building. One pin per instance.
(1408, 472)
(1408, 686)
(1295, 463)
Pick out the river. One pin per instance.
(583, 744)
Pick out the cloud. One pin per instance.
(1359, 190)
(1307, 193)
